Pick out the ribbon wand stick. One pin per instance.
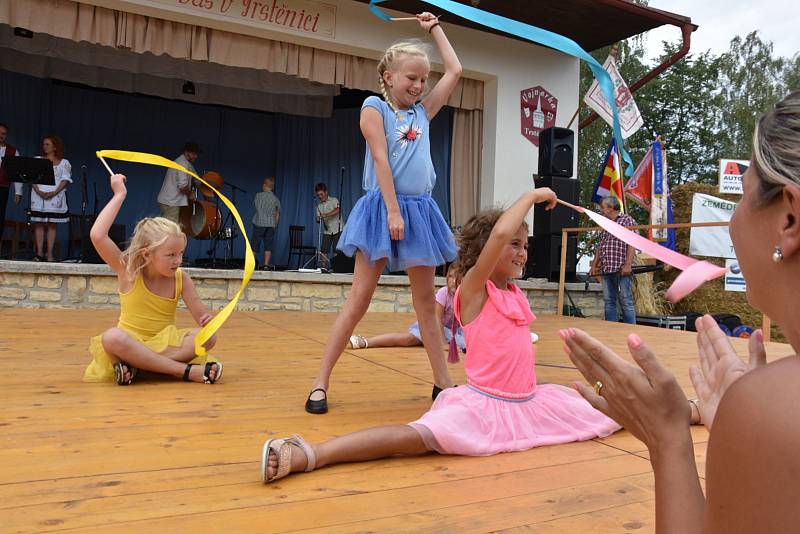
(567, 204)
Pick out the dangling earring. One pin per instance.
(777, 256)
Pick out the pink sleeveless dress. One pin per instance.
(501, 409)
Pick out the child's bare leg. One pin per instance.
(393, 340)
(360, 446)
(365, 279)
(267, 255)
(422, 296)
(185, 352)
(123, 347)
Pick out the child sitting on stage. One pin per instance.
(501, 409)
(444, 313)
(150, 285)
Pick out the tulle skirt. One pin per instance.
(101, 369)
(427, 239)
(467, 422)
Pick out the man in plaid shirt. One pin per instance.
(612, 262)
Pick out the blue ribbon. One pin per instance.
(538, 36)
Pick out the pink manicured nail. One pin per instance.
(759, 335)
(562, 335)
(634, 341)
(566, 349)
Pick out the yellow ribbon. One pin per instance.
(249, 260)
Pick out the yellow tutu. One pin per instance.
(149, 319)
(101, 369)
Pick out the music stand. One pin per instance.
(29, 170)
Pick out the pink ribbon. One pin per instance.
(695, 272)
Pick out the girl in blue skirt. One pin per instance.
(397, 222)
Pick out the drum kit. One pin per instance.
(202, 219)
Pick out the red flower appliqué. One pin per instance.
(407, 134)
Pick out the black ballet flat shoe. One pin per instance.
(317, 406)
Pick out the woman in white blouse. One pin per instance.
(49, 202)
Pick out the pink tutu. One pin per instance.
(467, 422)
(502, 409)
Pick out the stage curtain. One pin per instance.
(140, 34)
(243, 146)
(467, 145)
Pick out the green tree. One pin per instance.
(751, 81)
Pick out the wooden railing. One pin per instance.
(766, 323)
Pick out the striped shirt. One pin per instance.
(612, 250)
(267, 207)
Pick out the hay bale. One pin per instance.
(711, 297)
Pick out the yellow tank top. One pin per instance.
(145, 313)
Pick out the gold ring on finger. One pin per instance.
(598, 388)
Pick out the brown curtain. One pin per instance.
(465, 165)
(137, 33)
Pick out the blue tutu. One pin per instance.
(427, 240)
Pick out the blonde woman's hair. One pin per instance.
(150, 233)
(413, 48)
(776, 147)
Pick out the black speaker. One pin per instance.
(89, 254)
(341, 263)
(544, 257)
(552, 221)
(555, 152)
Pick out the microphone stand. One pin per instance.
(318, 252)
(341, 195)
(82, 224)
(84, 205)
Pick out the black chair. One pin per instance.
(297, 248)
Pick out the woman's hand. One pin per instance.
(646, 400)
(720, 365)
(396, 225)
(118, 184)
(427, 20)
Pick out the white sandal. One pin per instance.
(358, 342)
(282, 448)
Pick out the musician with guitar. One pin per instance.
(330, 217)
(176, 191)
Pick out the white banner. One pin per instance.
(713, 241)
(630, 119)
(734, 279)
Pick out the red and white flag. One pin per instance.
(630, 118)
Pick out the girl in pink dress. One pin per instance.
(501, 408)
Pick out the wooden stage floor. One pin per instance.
(167, 456)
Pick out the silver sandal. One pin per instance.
(358, 342)
(282, 448)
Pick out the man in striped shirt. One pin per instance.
(266, 218)
(613, 261)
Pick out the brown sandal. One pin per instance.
(282, 448)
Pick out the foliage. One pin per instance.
(704, 107)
